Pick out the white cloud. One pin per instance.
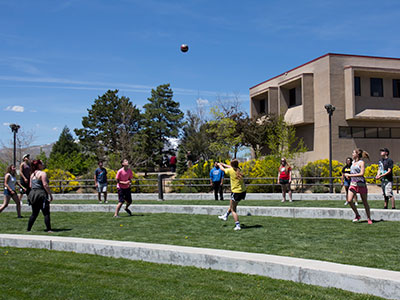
(6, 124)
(63, 83)
(15, 108)
(55, 128)
(202, 102)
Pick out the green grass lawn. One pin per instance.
(43, 274)
(338, 241)
(303, 203)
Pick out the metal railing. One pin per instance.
(164, 184)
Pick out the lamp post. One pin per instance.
(14, 129)
(330, 109)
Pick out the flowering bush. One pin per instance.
(320, 168)
(59, 179)
(266, 167)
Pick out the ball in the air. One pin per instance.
(184, 48)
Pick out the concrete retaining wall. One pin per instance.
(285, 212)
(210, 196)
(377, 282)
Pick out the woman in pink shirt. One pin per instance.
(124, 177)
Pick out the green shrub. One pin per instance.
(320, 168)
(59, 179)
(261, 168)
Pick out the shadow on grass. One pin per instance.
(373, 221)
(251, 226)
(61, 229)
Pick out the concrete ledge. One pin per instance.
(210, 196)
(377, 282)
(268, 211)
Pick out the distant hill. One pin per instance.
(6, 154)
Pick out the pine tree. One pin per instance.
(162, 121)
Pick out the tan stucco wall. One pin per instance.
(332, 78)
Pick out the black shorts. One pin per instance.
(25, 185)
(124, 195)
(238, 196)
(283, 181)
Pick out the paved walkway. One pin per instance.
(356, 279)
(270, 211)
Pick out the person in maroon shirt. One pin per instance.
(172, 163)
(285, 178)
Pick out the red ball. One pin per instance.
(184, 48)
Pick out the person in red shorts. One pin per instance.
(124, 177)
(285, 178)
(358, 183)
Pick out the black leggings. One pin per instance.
(36, 208)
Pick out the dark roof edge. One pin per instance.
(318, 58)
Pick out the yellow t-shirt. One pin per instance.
(237, 185)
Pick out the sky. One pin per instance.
(57, 57)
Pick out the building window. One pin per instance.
(395, 133)
(396, 88)
(383, 133)
(369, 132)
(344, 132)
(292, 97)
(262, 106)
(357, 86)
(376, 87)
(357, 132)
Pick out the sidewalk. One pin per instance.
(267, 211)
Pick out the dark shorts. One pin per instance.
(124, 195)
(25, 185)
(238, 196)
(346, 183)
(283, 181)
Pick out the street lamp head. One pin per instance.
(14, 127)
(330, 109)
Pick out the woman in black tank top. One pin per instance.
(40, 195)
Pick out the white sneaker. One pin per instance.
(356, 203)
(346, 203)
(223, 217)
(237, 227)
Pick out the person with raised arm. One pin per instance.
(238, 190)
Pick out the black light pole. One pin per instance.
(14, 129)
(330, 109)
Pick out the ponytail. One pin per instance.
(361, 153)
(235, 166)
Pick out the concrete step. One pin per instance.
(382, 283)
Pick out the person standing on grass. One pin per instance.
(124, 177)
(285, 179)
(25, 175)
(100, 181)
(40, 195)
(358, 183)
(385, 174)
(9, 190)
(238, 190)
(346, 181)
(217, 181)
